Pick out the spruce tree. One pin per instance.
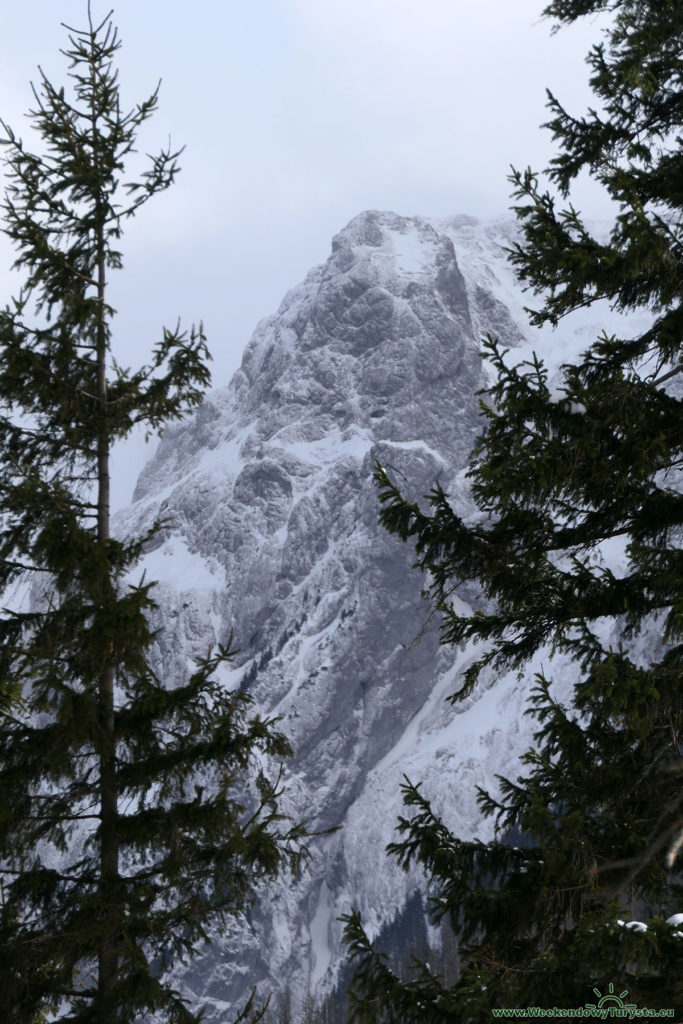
(129, 829)
(597, 812)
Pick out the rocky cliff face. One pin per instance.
(275, 536)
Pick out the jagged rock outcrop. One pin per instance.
(275, 536)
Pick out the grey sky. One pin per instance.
(297, 115)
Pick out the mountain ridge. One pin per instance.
(374, 356)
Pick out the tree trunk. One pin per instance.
(109, 845)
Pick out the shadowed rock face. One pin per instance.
(275, 537)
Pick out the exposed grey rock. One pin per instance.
(275, 537)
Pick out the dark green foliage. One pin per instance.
(128, 826)
(599, 805)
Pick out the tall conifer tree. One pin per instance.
(126, 828)
(599, 804)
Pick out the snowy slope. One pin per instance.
(275, 536)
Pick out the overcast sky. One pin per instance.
(297, 115)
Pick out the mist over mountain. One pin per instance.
(274, 536)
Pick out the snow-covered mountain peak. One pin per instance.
(275, 537)
(389, 245)
(377, 338)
